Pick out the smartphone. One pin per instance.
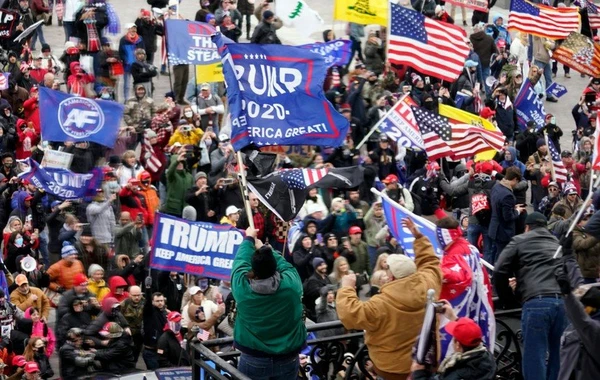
(553, 120)
(590, 98)
(345, 239)
(427, 80)
(320, 238)
(209, 130)
(227, 181)
(140, 217)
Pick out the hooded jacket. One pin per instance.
(107, 315)
(69, 320)
(63, 272)
(99, 289)
(118, 282)
(117, 357)
(587, 249)
(302, 258)
(484, 46)
(513, 161)
(127, 50)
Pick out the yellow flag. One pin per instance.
(365, 12)
(455, 114)
(209, 73)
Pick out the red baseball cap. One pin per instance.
(390, 179)
(465, 331)
(19, 361)
(31, 367)
(354, 230)
(29, 197)
(174, 316)
(80, 279)
(487, 112)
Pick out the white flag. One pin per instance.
(297, 14)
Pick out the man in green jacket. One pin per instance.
(179, 180)
(269, 330)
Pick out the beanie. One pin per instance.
(263, 263)
(67, 250)
(401, 266)
(317, 261)
(540, 142)
(189, 213)
(414, 79)
(570, 188)
(267, 14)
(93, 269)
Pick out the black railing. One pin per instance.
(347, 354)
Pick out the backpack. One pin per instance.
(481, 206)
(416, 198)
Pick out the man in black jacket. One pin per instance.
(117, 356)
(200, 198)
(312, 286)
(170, 352)
(529, 258)
(155, 319)
(265, 33)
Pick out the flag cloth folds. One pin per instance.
(4, 81)
(269, 90)
(399, 124)
(297, 14)
(284, 191)
(529, 106)
(365, 12)
(593, 14)
(580, 53)
(556, 90)
(65, 117)
(541, 20)
(434, 48)
(560, 171)
(472, 134)
(336, 52)
(596, 148)
(189, 43)
(478, 5)
(152, 161)
(436, 133)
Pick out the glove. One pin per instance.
(148, 282)
(566, 243)
(563, 280)
(60, 290)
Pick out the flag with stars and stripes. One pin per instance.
(593, 15)
(284, 191)
(434, 48)
(542, 20)
(400, 125)
(436, 133)
(560, 170)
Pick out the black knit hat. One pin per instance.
(263, 263)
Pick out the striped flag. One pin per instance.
(433, 47)
(541, 20)
(596, 148)
(560, 171)
(436, 133)
(400, 125)
(335, 77)
(203, 335)
(153, 163)
(593, 15)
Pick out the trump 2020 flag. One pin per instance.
(190, 43)
(336, 52)
(284, 191)
(529, 107)
(400, 125)
(276, 97)
(556, 90)
(62, 183)
(65, 117)
(394, 213)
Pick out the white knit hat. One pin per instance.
(401, 266)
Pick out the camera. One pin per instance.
(362, 279)
(186, 128)
(227, 181)
(439, 307)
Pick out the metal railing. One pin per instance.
(328, 356)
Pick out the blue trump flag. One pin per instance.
(275, 95)
(66, 117)
(394, 213)
(556, 89)
(197, 248)
(336, 52)
(529, 106)
(190, 43)
(61, 183)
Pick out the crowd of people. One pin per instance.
(86, 261)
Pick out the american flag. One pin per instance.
(560, 171)
(541, 20)
(434, 48)
(203, 335)
(399, 124)
(596, 148)
(153, 163)
(593, 15)
(436, 133)
(335, 77)
(300, 179)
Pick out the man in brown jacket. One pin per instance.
(392, 320)
(25, 296)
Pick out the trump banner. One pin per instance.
(336, 53)
(556, 90)
(65, 117)
(196, 248)
(189, 43)
(477, 5)
(529, 107)
(579, 53)
(8, 20)
(275, 95)
(400, 125)
(61, 183)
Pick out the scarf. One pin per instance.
(131, 39)
(172, 326)
(456, 357)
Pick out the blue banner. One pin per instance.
(556, 89)
(394, 213)
(336, 53)
(275, 95)
(65, 117)
(190, 43)
(196, 248)
(529, 106)
(61, 183)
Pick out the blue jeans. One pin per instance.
(44, 248)
(39, 32)
(547, 69)
(269, 368)
(543, 321)
(473, 232)
(126, 85)
(372, 256)
(69, 27)
(150, 359)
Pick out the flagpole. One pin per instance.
(553, 173)
(376, 126)
(242, 174)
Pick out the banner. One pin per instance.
(209, 73)
(196, 248)
(478, 5)
(189, 43)
(7, 22)
(336, 53)
(364, 12)
(65, 117)
(297, 14)
(4, 81)
(394, 213)
(275, 95)
(300, 150)
(529, 106)
(399, 124)
(61, 183)
(579, 53)
(556, 89)
(55, 159)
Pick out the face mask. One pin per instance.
(175, 327)
(105, 95)
(189, 114)
(113, 185)
(19, 242)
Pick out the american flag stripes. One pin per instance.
(596, 148)
(434, 48)
(203, 335)
(436, 133)
(593, 15)
(152, 162)
(560, 171)
(541, 20)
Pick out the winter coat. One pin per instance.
(134, 314)
(484, 46)
(62, 274)
(127, 51)
(178, 181)
(118, 282)
(373, 59)
(514, 161)
(265, 33)
(24, 302)
(392, 320)
(302, 259)
(475, 364)
(101, 217)
(312, 291)
(170, 353)
(127, 239)
(142, 72)
(117, 357)
(98, 289)
(587, 249)
(504, 215)
(74, 362)
(148, 30)
(137, 110)
(134, 203)
(361, 264)
(72, 319)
